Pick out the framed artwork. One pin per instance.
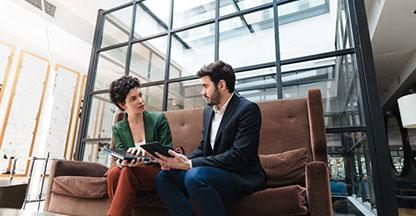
(65, 92)
(21, 121)
(6, 58)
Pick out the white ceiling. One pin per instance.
(393, 42)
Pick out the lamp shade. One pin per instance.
(407, 107)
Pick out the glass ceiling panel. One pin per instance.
(232, 6)
(188, 12)
(248, 39)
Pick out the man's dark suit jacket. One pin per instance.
(236, 144)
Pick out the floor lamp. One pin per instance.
(407, 107)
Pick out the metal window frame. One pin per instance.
(371, 110)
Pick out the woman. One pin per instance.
(138, 126)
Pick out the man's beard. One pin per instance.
(215, 99)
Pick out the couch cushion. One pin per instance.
(80, 186)
(290, 200)
(74, 206)
(285, 168)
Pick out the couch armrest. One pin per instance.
(71, 168)
(76, 168)
(318, 191)
(317, 125)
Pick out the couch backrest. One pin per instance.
(286, 124)
(186, 127)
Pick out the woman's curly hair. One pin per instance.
(120, 88)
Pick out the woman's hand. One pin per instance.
(135, 151)
(139, 151)
(133, 163)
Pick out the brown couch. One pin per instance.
(287, 124)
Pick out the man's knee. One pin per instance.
(162, 178)
(196, 177)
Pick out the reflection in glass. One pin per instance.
(337, 79)
(94, 153)
(185, 95)
(153, 97)
(148, 60)
(110, 67)
(257, 85)
(308, 27)
(395, 143)
(101, 117)
(248, 39)
(189, 12)
(343, 33)
(117, 26)
(412, 140)
(349, 166)
(192, 49)
(149, 23)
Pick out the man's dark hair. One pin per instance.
(119, 89)
(217, 71)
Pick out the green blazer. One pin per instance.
(156, 128)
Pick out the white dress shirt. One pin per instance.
(215, 122)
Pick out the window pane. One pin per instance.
(101, 116)
(153, 97)
(257, 85)
(111, 64)
(148, 60)
(106, 5)
(248, 39)
(395, 142)
(117, 26)
(232, 6)
(189, 12)
(185, 95)
(308, 27)
(149, 21)
(350, 171)
(412, 140)
(337, 79)
(192, 49)
(93, 152)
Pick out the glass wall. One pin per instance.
(279, 49)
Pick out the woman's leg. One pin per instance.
(130, 181)
(112, 178)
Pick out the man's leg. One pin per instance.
(170, 185)
(209, 188)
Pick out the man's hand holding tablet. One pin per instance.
(154, 147)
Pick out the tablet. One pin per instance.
(153, 147)
(123, 155)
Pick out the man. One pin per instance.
(225, 166)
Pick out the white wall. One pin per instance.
(23, 27)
